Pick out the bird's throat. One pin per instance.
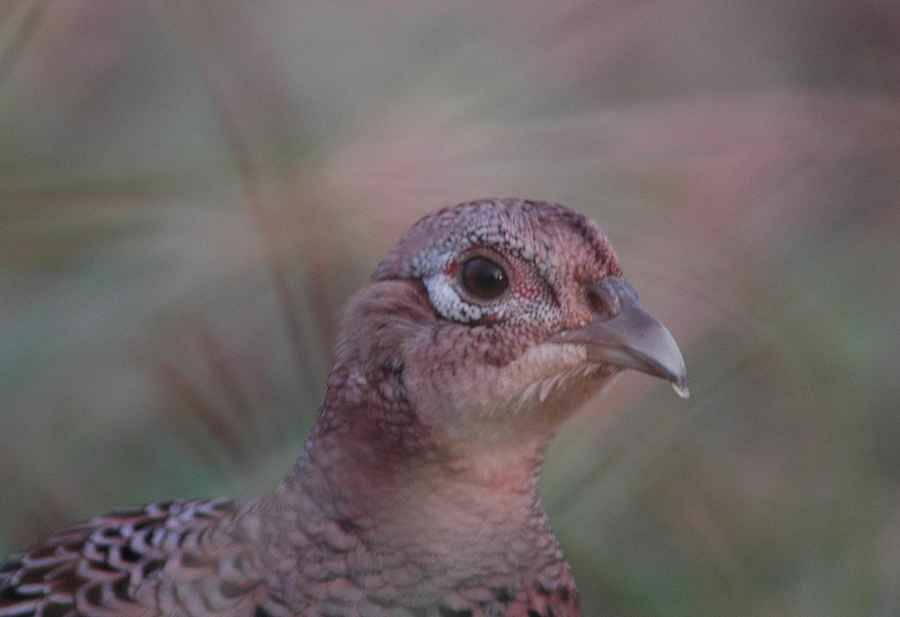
(449, 515)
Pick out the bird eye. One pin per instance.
(483, 279)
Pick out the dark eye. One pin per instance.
(483, 279)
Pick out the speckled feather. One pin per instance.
(417, 492)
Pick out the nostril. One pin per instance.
(604, 300)
(609, 296)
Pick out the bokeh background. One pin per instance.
(190, 191)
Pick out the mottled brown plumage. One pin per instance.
(417, 492)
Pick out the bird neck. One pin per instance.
(416, 481)
(382, 485)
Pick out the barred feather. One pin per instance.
(164, 559)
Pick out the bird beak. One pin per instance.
(624, 334)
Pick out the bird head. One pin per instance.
(495, 319)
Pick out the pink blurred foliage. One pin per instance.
(80, 44)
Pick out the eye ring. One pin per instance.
(483, 278)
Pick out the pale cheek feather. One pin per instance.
(545, 369)
(540, 392)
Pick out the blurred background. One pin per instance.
(189, 192)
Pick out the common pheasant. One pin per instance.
(480, 333)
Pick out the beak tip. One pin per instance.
(680, 385)
(672, 366)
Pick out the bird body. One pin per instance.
(417, 492)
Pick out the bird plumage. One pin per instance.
(123, 564)
(417, 493)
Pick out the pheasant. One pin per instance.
(481, 332)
